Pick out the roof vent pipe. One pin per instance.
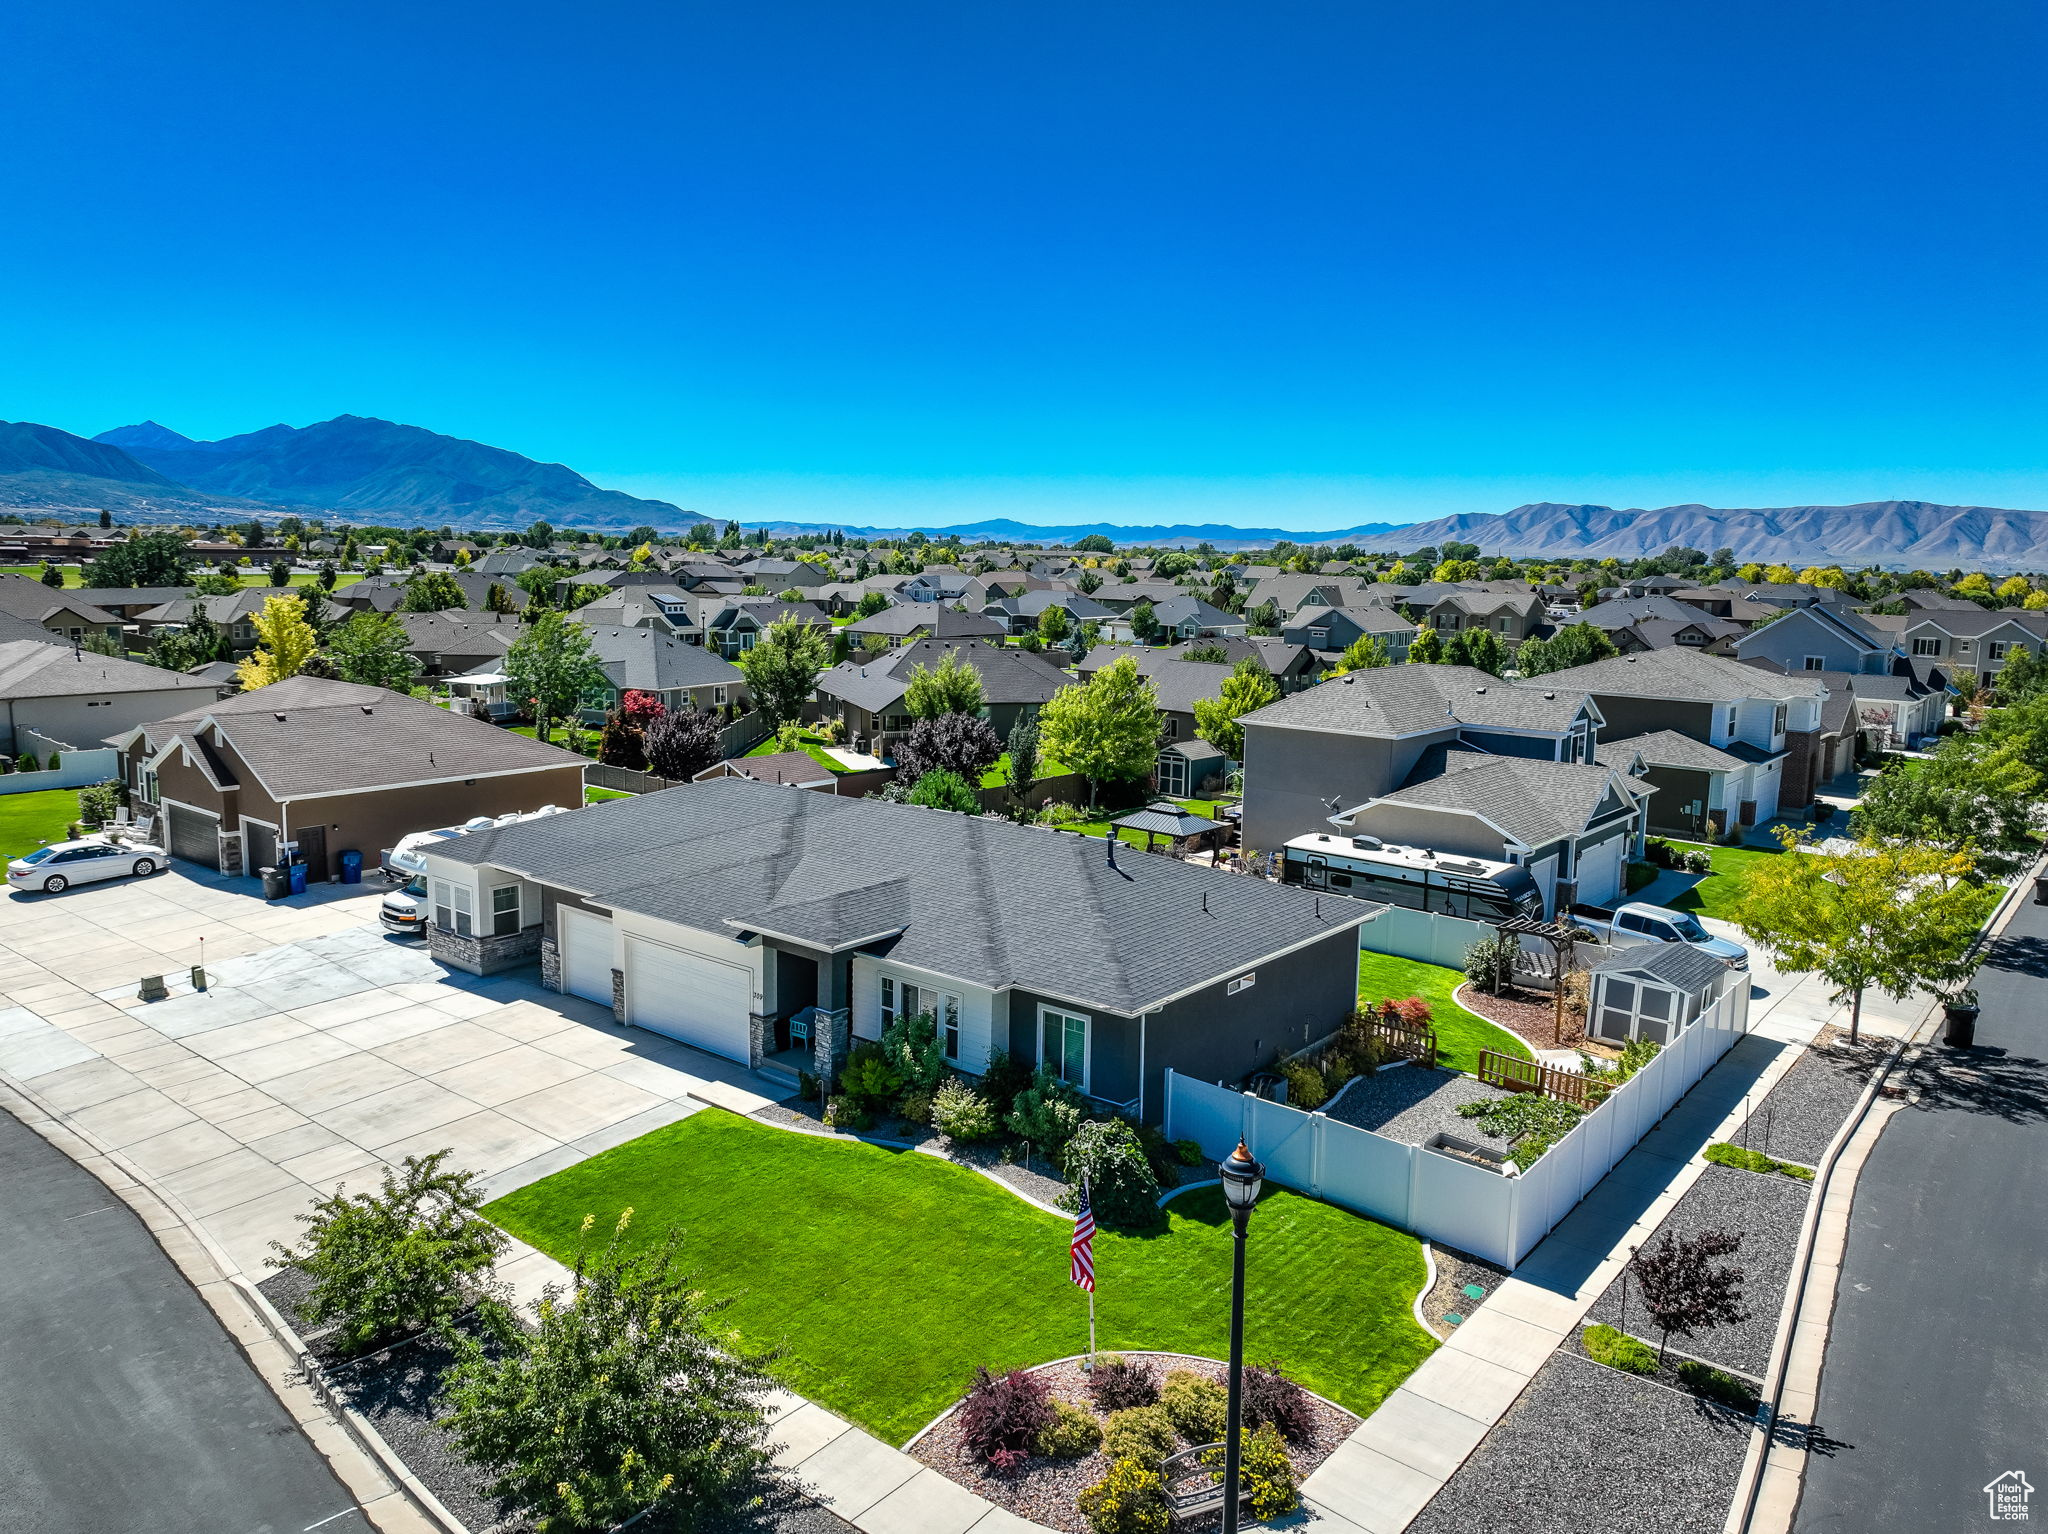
(1109, 845)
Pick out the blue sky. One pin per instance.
(1287, 264)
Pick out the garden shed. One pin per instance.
(1651, 991)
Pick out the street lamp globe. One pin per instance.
(1242, 1178)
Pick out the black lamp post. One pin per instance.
(1242, 1176)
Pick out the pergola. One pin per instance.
(1561, 937)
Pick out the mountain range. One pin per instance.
(363, 470)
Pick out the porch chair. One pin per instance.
(800, 1028)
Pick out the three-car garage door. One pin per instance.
(191, 835)
(586, 944)
(699, 1000)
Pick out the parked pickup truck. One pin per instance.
(1634, 923)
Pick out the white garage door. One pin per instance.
(586, 943)
(689, 997)
(1600, 873)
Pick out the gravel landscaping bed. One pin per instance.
(1044, 1490)
(1766, 1211)
(1588, 1447)
(1801, 1115)
(1447, 1296)
(1409, 1104)
(1037, 1180)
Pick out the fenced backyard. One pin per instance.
(1455, 1201)
(1511, 1073)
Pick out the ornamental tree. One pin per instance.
(952, 687)
(955, 743)
(1248, 687)
(550, 667)
(1682, 1289)
(1107, 728)
(630, 1392)
(683, 743)
(287, 643)
(433, 592)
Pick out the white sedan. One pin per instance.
(55, 868)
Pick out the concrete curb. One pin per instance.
(1774, 1473)
(386, 1494)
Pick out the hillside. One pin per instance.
(371, 470)
(44, 469)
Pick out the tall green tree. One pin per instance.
(498, 600)
(952, 687)
(1365, 653)
(372, 649)
(782, 669)
(1054, 624)
(434, 592)
(286, 643)
(1972, 794)
(153, 559)
(1577, 644)
(1426, 648)
(1892, 917)
(1107, 728)
(1248, 687)
(1485, 649)
(1144, 622)
(551, 669)
(199, 642)
(1022, 768)
(50, 575)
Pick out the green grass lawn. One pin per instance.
(813, 746)
(28, 821)
(1719, 894)
(1460, 1035)
(999, 774)
(1206, 808)
(599, 795)
(888, 1275)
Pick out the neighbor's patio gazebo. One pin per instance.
(1184, 832)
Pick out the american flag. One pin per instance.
(1082, 1249)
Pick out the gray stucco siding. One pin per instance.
(1290, 775)
(1639, 716)
(1542, 748)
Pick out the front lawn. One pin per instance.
(1460, 1035)
(888, 1275)
(31, 820)
(1719, 894)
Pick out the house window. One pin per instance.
(504, 910)
(1816, 663)
(718, 697)
(149, 788)
(1169, 728)
(1319, 638)
(1927, 647)
(1241, 983)
(1997, 649)
(1965, 646)
(1778, 720)
(949, 1025)
(452, 909)
(1063, 1046)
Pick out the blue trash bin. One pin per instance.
(298, 876)
(351, 866)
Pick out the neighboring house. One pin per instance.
(447, 644)
(1979, 639)
(937, 583)
(77, 698)
(1575, 826)
(682, 675)
(1291, 666)
(1185, 617)
(1020, 614)
(731, 626)
(1700, 788)
(64, 613)
(1332, 630)
(667, 609)
(778, 575)
(789, 769)
(1358, 736)
(1514, 616)
(1122, 596)
(923, 620)
(130, 602)
(386, 593)
(1762, 716)
(507, 564)
(331, 766)
(1820, 639)
(867, 696)
(775, 928)
(1289, 592)
(1896, 708)
(231, 614)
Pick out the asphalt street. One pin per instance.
(124, 1407)
(1935, 1381)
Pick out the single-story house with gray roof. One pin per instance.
(777, 927)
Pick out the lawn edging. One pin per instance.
(1458, 997)
(922, 1150)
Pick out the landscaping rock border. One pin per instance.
(1800, 1117)
(1413, 1104)
(1453, 1270)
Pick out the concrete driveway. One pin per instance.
(322, 1050)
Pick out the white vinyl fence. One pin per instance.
(75, 769)
(1478, 1211)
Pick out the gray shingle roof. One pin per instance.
(911, 617)
(1533, 801)
(308, 735)
(652, 661)
(1007, 675)
(1402, 700)
(1666, 748)
(985, 901)
(1678, 965)
(21, 597)
(1680, 673)
(33, 668)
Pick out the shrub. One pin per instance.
(946, 791)
(1268, 1475)
(1716, 1384)
(96, 805)
(410, 1257)
(1700, 861)
(1724, 1154)
(1122, 1190)
(1117, 1383)
(845, 1113)
(916, 1107)
(806, 1085)
(1189, 1151)
(1046, 1116)
(1490, 962)
(963, 1114)
(631, 1394)
(1618, 1350)
(1272, 1399)
(1660, 852)
(1196, 1407)
(1002, 1078)
(1412, 1011)
(1003, 1416)
(1131, 1499)
(911, 1047)
(1305, 1087)
(1141, 1433)
(1072, 1433)
(870, 1079)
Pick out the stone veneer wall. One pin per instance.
(550, 964)
(483, 955)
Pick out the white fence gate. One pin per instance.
(1478, 1211)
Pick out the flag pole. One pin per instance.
(1091, 1288)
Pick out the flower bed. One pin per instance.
(1526, 1014)
(1046, 1490)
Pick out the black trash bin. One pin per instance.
(1959, 1029)
(276, 883)
(2041, 889)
